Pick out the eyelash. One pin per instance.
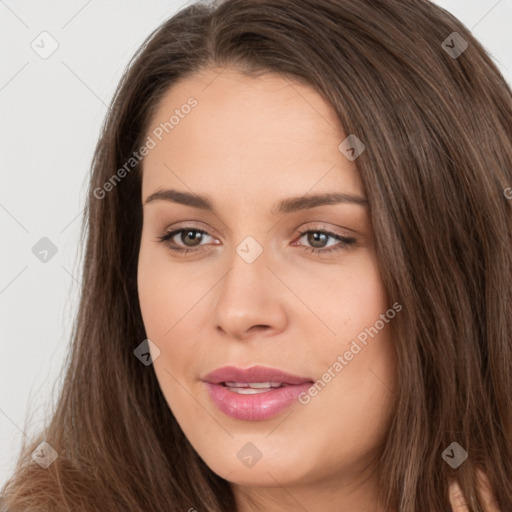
(344, 241)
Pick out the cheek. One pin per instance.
(164, 301)
(347, 298)
(170, 303)
(368, 325)
(164, 292)
(363, 298)
(154, 304)
(359, 360)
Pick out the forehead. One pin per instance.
(249, 133)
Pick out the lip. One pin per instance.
(259, 406)
(253, 374)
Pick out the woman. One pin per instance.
(298, 272)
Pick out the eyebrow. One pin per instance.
(288, 205)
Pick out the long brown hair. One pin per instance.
(437, 128)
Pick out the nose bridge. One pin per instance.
(247, 296)
(248, 276)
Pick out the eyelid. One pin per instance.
(343, 242)
(195, 225)
(322, 226)
(316, 226)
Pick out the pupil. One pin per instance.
(314, 237)
(192, 236)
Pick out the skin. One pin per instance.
(458, 502)
(249, 143)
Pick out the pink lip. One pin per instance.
(253, 374)
(258, 406)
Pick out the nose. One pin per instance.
(250, 301)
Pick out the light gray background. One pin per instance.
(51, 112)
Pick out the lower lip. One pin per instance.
(259, 406)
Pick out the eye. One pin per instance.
(319, 237)
(188, 235)
(191, 239)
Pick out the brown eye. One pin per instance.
(317, 239)
(189, 237)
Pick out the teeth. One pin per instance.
(253, 385)
(248, 391)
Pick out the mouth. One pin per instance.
(256, 376)
(252, 388)
(256, 393)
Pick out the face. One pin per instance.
(247, 277)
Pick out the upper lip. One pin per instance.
(253, 374)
